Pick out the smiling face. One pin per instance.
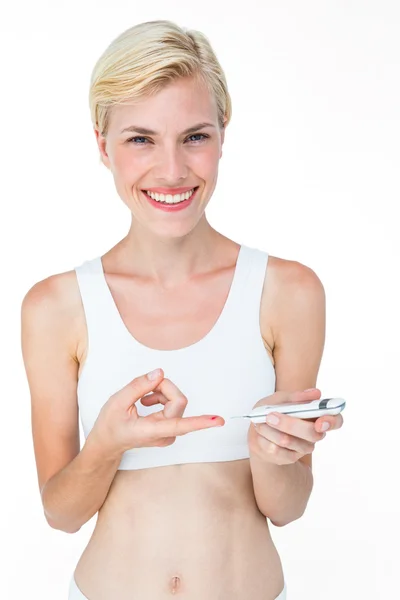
(169, 157)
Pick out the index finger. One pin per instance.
(175, 401)
(296, 426)
(335, 422)
(177, 426)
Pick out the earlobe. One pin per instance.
(104, 159)
(101, 142)
(222, 144)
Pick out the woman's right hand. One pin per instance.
(119, 427)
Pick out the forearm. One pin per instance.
(73, 495)
(281, 491)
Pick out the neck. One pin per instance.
(169, 261)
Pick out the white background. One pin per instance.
(309, 173)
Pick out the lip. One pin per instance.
(172, 191)
(171, 207)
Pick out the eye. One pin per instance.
(203, 135)
(139, 137)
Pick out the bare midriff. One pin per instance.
(191, 530)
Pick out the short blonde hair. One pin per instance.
(144, 59)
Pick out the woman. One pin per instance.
(182, 498)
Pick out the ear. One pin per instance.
(102, 144)
(223, 136)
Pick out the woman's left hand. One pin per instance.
(290, 438)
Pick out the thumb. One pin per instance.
(138, 387)
(306, 395)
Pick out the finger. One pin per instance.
(176, 401)
(334, 422)
(295, 426)
(175, 426)
(153, 398)
(305, 395)
(176, 404)
(284, 440)
(136, 389)
(282, 397)
(170, 422)
(278, 455)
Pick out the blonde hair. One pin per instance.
(144, 59)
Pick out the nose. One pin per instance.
(171, 166)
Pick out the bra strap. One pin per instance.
(246, 304)
(95, 303)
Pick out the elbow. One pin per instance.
(291, 519)
(60, 527)
(278, 523)
(63, 528)
(282, 523)
(55, 522)
(279, 518)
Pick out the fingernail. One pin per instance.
(219, 424)
(309, 389)
(272, 420)
(154, 374)
(325, 426)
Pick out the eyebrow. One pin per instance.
(146, 131)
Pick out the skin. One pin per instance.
(209, 510)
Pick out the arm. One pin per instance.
(74, 495)
(73, 484)
(282, 491)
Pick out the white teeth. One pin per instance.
(169, 199)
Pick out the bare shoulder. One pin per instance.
(288, 285)
(288, 275)
(56, 302)
(50, 323)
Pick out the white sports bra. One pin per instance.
(225, 373)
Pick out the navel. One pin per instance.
(175, 585)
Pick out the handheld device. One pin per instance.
(302, 410)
